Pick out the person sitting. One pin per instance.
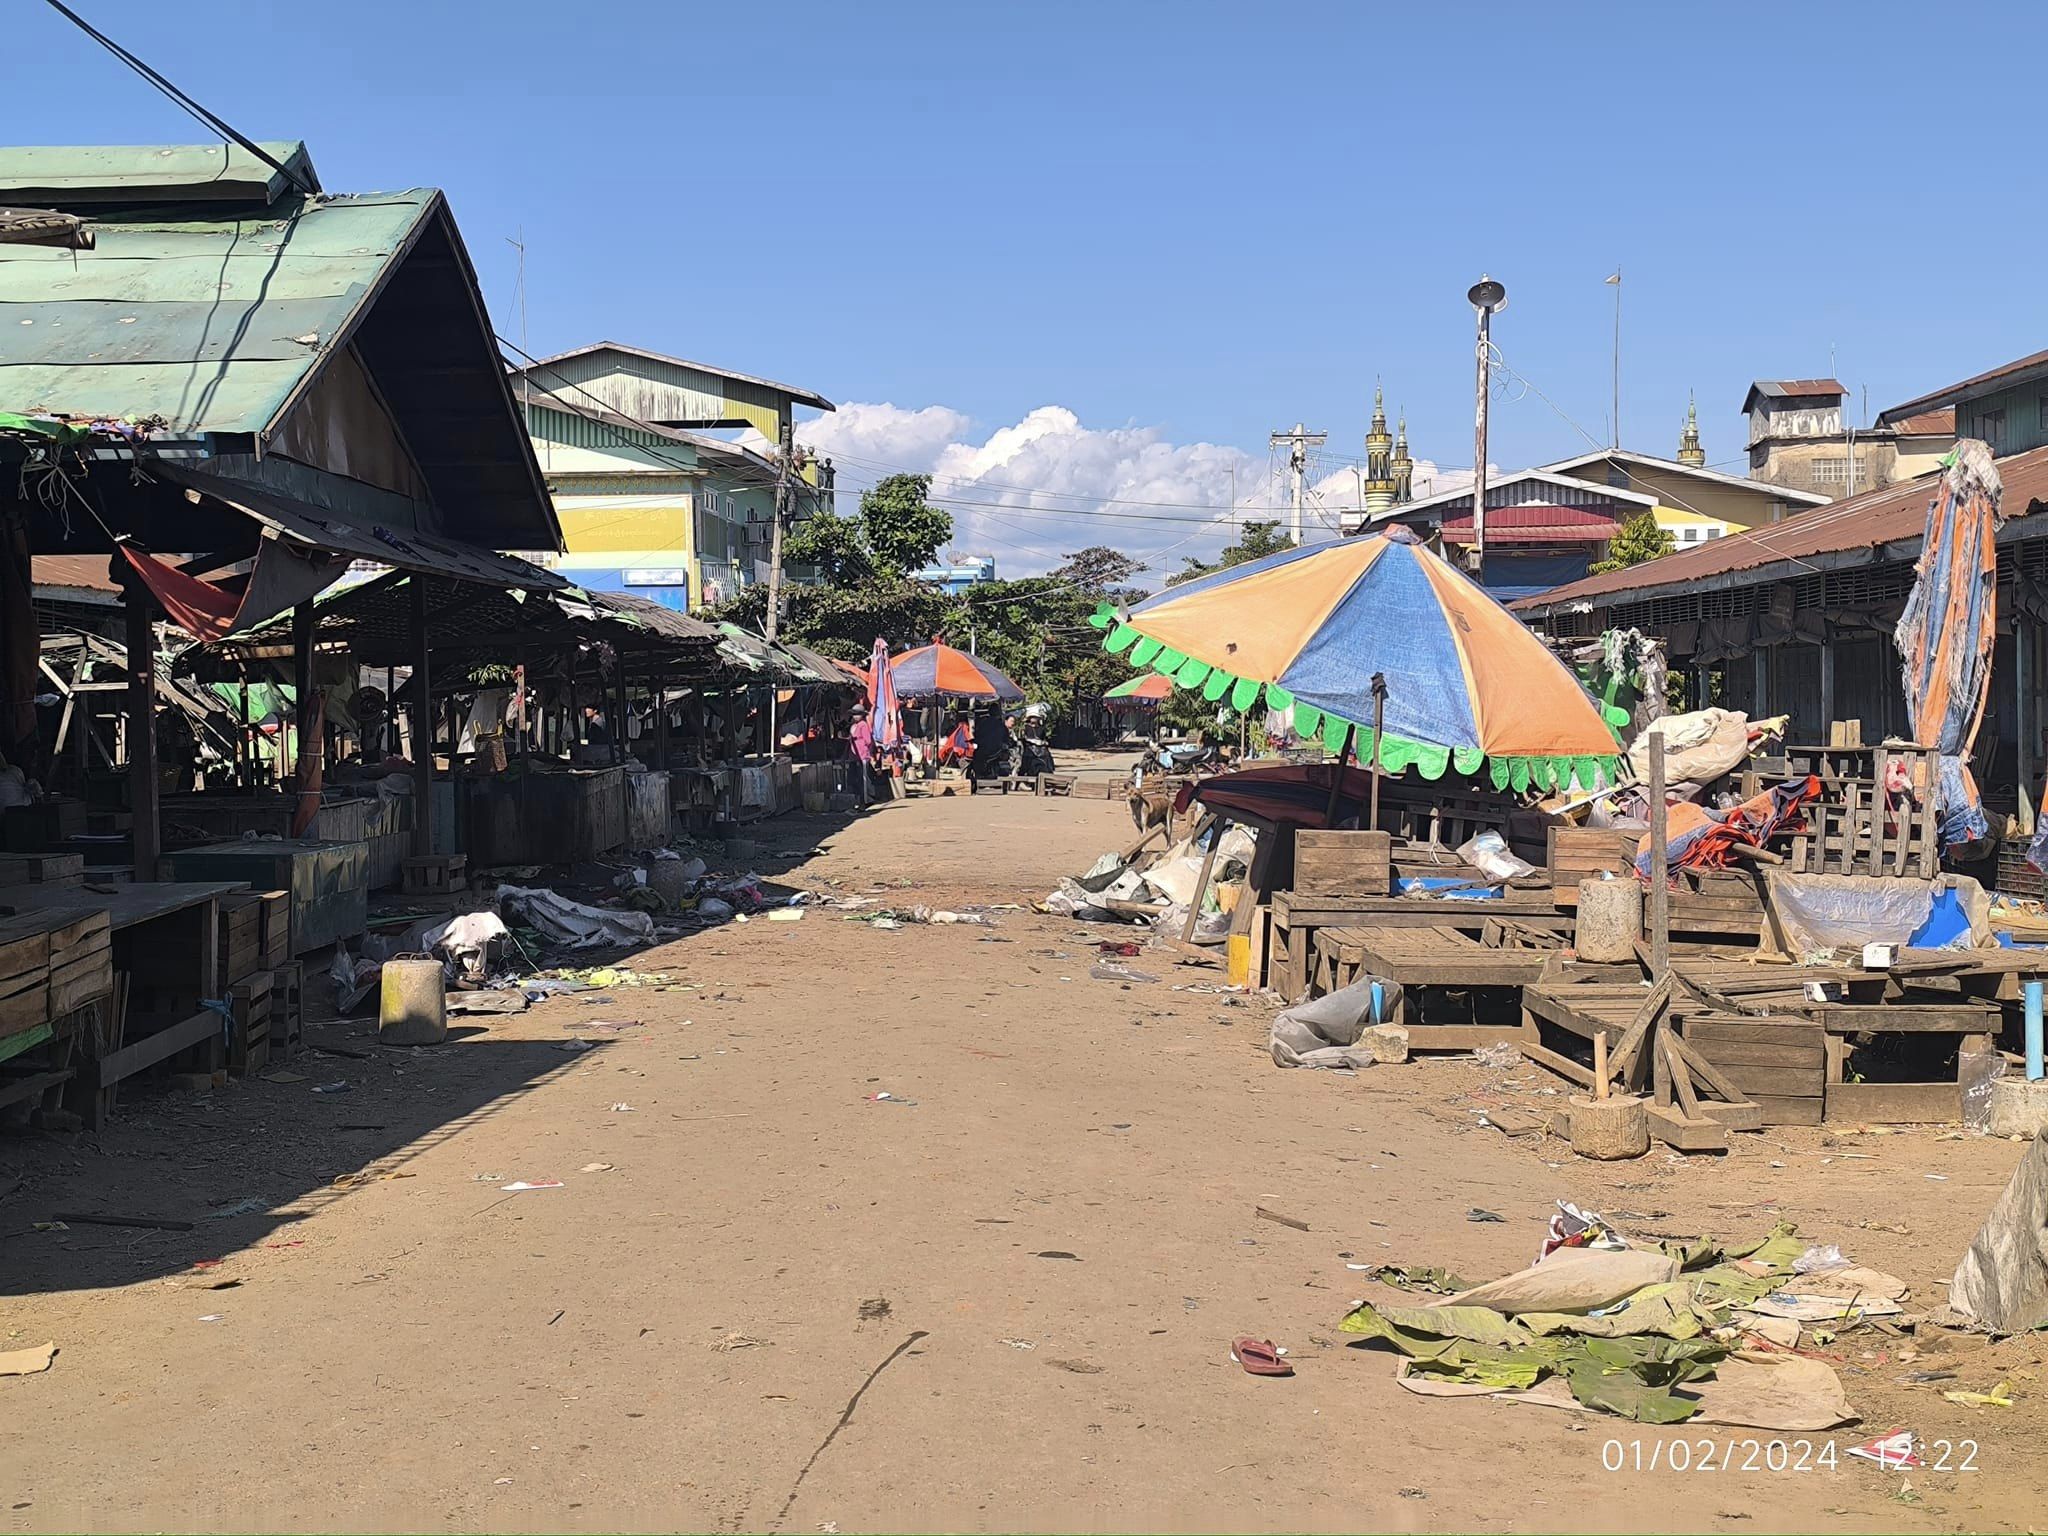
(957, 745)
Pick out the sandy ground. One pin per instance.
(763, 1300)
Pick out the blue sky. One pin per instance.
(1184, 224)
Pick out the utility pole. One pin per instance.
(1487, 299)
(782, 459)
(1615, 421)
(1298, 442)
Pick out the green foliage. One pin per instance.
(843, 621)
(1637, 540)
(835, 546)
(1260, 538)
(1036, 629)
(902, 531)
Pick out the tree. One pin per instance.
(901, 528)
(1260, 538)
(1036, 629)
(835, 546)
(1636, 541)
(1099, 570)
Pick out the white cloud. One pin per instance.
(1033, 491)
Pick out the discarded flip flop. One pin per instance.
(1260, 1358)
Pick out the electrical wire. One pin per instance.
(208, 119)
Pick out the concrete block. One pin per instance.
(2018, 1107)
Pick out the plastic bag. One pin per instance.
(1488, 853)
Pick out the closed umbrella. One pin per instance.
(882, 717)
(1340, 631)
(1947, 630)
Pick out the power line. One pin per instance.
(208, 119)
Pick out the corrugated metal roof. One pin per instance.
(132, 173)
(212, 324)
(2016, 372)
(85, 573)
(1535, 523)
(1892, 516)
(800, 395)
(1941, 423)
(1779, 389)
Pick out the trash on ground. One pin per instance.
(2002, 1282)
(1260, 1357)
(519, 1184)
(571, 923)
(27, 1362)
(1635, 1332)
(1344, 1029)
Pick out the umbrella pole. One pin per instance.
(1337, 778)
(1379, 720)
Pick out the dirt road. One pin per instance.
(1001, 1298)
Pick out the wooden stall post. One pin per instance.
(619, 703)
(1379, 721)
(1660, 874)
(422, 726)
(661, 718)
(1337, 778)
(142, 787)
(305, 726)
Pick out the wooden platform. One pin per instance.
(1426, 962)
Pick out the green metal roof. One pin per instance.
(135, 173)
(212, 324)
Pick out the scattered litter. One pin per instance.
(518, 1184)
(1478, 1213)
(874, 1309)
(1260, 1357)
(1999, 1396)
(595, 1168)
(1110, 970)
(214, 1317)
(574, 1047)
(1498, 1055)
(886, 1097)
(1020, 1344)
(502, 1000)
(1893, 1452)
(734, 1341)
(1078, 1367)
(786, 915)
(246, 1207)
(51, 1226)
(572, 924)
(27, 1362)
(1286, 1221)
(622, 1109)
(339, 1085)
(1056, 1253)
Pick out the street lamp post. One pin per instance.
(1487, 299)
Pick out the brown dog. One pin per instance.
(1151, 804)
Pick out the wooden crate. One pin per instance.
(249, 1026)
(43, 869)
(1780, 1063)
(45, 824)
(435, 874)
(24, 973)
(1343, 863)
(276, 928)
(287, 1008)
(1853, 831)
(81, 962)
(241, 934)
(1580, 853)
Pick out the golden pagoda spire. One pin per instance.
(1379, 457)
(1689, 449)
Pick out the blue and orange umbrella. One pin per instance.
(1467, 683)
(938, 671)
